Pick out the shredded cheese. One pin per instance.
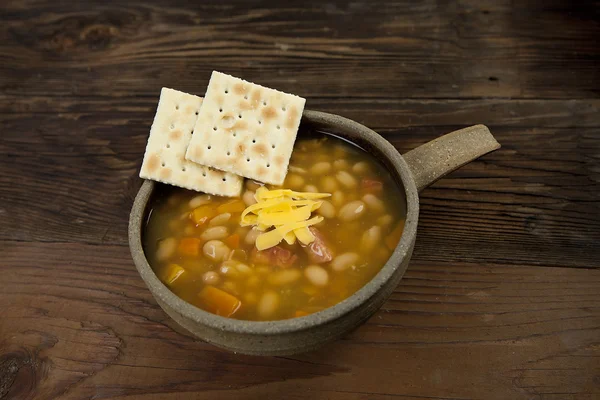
(283, 214)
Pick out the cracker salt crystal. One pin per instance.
(246, 129)
(170, 134)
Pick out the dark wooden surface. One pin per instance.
(502, 298)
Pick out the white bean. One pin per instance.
(352, 211)
(385, 220)
(166, 248)
(284, 277)
(211, 278)
(220, 219)
(199, 200)
(295, 181)
(320, 168)
(252, 185)
(360, 167)
(243, 268)
(248, 198)
(337, 198)
(329, 184)
(346, 179)
(318, 276)
(251, 236)
(344, 261)
(229, 269)
(296, 170)
(216, 232)
(267, 305)
(215, 250)
(373, 202)
(340, 164)
(370, 238)
(311, 189)
(327, 209)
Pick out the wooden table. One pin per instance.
(502, 298)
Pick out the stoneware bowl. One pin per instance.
(413, 172)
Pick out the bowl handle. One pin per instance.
(431, 161)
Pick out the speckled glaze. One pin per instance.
(298, 335)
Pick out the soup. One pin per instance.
(198, 247)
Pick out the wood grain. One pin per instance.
(451, 330)
(502, 297)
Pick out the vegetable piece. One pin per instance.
(391, 240)
(218, 301)
(318, 251)
(233, 206)
(172, 273)
(189, 246)
(202, 214)
(371, 185)
(233, 241)
(275, 256)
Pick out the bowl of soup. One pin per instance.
(202, 264)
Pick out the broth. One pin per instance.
(196, 246)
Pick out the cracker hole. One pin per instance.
(214, 128)
(220, 109)
(204, 174)
(172, 126)
(228, 153)
(259, 122)
(247, 160)
(234, 134)
(268, 165)
(209, 147)
(224, 179)
(196, 112)
(264, 103)
(177, 107)
(239, 115)
(272, 146)
(278, 127)
(226, 91)
(162, 164)
(183, 169)
(283, 108)
(168, 146)
(253, 140)
(246, 97)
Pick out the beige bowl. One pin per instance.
(413, 172)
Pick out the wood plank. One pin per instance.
(428, 49)
(78, 322)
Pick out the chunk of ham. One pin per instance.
(371, 185)
(318, 251)
(275, 256)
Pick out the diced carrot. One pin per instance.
(172, 273)
(371, 185)
(202, 214)
(233, 241)
(218, 301)
(189, 246)
(391, 241)
(300, 313)
(233, 206)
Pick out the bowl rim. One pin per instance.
(370, 289)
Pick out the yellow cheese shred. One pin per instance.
(287, 212)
